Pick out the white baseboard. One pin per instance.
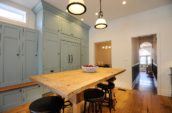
(165, 92)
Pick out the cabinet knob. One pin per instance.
(52, 71)
(18, 54)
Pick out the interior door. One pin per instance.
(51, 53)
(30, 50)
(66, 53)
(12, 55)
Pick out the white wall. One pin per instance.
(157, 21)
(30, 15)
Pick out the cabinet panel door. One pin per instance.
(65, 56)
(84, 55)
(65, 26)
(76, 30)
(30, 54)
(1, 62)
(12, 56)
(10, 99)
(51, 52)
(51, 21)
(76, 56)
(32, 93)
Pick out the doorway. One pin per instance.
(144, 61)
(103, 54)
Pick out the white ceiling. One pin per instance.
(112, 9)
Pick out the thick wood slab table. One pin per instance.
(71, 84)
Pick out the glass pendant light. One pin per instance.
(100, 22)
(76, 7)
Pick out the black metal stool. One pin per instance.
(95, 98)
(51, 104)
(107, 89)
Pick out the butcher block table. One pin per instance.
(71, 84)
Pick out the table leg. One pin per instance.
(77, 104)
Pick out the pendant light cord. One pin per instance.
(100, 13)
(100, 5)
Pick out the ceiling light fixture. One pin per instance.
(96, 14)
(100, 22)
(82, 19)
(76, 7)
(124, 2)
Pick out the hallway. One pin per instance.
(146, 83)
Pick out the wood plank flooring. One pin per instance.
(130, 101)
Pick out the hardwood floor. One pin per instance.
(130, 101)
(146, 83)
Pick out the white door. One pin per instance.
(30, 52)
(12, 55)
(51, 53)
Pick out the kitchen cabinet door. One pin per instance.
(1, 62)
(32, 93)
(12, 55)
(76, 56)
(75, 30)
(84, 55)
(10, 99)
(66, 58)
(65, 26)
(51, 52)
(51, 21)
(30, 52)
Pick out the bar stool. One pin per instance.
(51, 104)
(107, 89)
(95, 98)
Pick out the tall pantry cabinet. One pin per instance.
(18, 61)
(63, 40)
(18, 54)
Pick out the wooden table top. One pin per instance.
(70, 83)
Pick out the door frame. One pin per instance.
(158, 83)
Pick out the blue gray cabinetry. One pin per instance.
(32, 93)
(12, 58)
(17, 97)
(1, 60)
(10, 99)
(70, 53)
(51, 52)
(30, 53)
(18, 55)
(64, 39)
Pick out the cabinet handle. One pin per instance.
(68, 59)
(23, 48)
(71, 58)
(52, 71)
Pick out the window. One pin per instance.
(12, 13)
(145, 53)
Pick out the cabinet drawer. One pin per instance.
(32, 93)
(10, 99)
(70, 39)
